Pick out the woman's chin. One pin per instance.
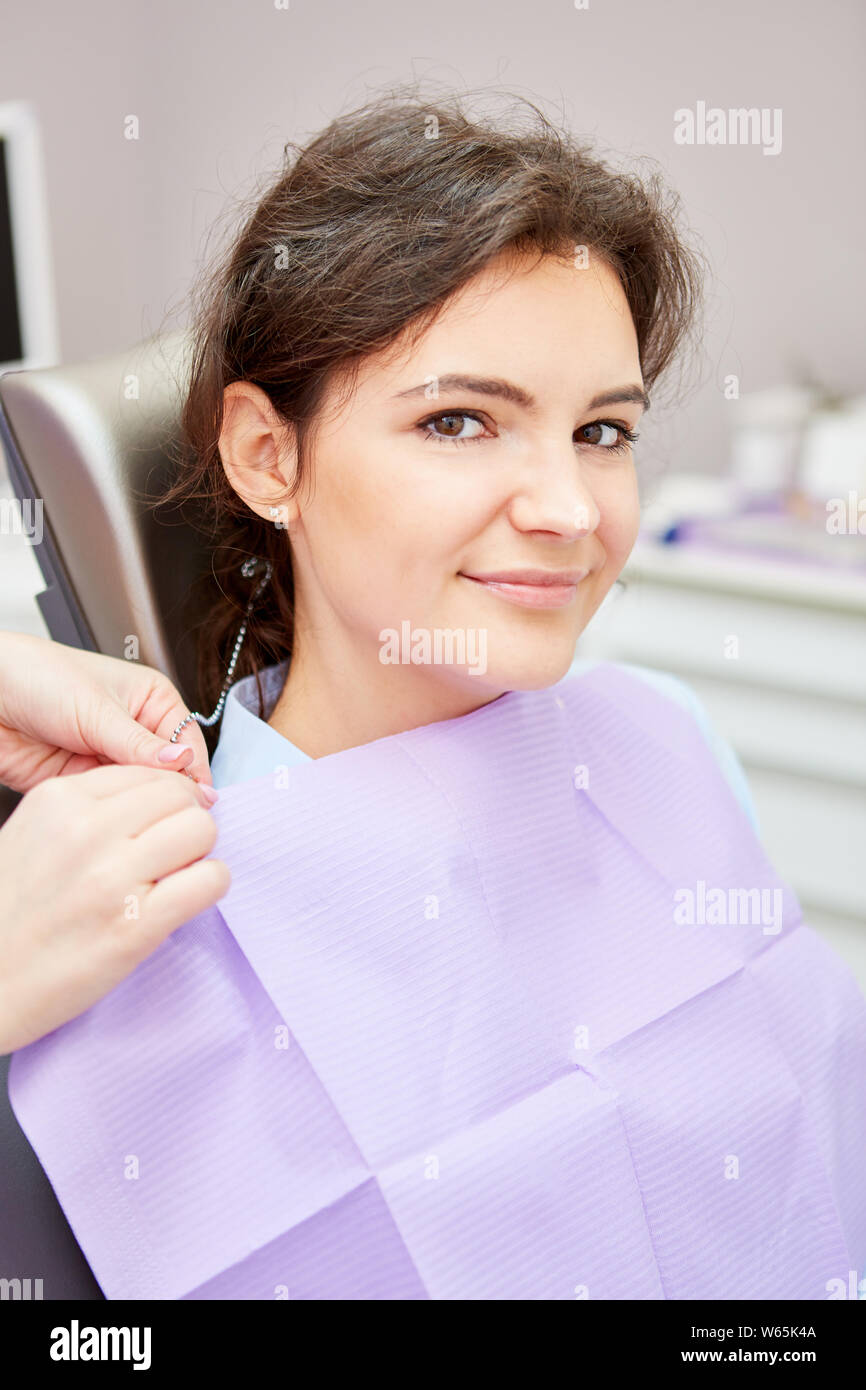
(535, 670)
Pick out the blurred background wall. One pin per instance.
(218, 87)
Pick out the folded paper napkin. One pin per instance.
(509, 1006)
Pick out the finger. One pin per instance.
(136, 808)
(100, 782)
(125, 740)
(80, 762)
(179, 897)
(190, 736)
(176, 763)
(172, 843)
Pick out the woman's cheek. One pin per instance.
(620, 524)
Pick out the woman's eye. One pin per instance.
(450, 427)
(615, 438)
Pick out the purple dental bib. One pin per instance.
(510, 1006)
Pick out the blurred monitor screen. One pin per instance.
(11, 340)
(28, 324)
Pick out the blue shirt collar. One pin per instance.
(248, 747)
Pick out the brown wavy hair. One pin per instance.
(359, 239)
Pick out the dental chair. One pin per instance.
(89, 443)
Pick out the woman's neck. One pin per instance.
(323, 711)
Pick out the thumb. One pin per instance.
(124, 740)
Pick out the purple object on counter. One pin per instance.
(448, 1036)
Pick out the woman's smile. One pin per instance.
(532, 588)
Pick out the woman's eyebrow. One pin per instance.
(508, 391)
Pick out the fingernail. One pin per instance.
(209, 793)
(171, 751)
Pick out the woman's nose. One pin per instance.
(554, 496)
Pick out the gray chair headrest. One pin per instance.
(90, 442)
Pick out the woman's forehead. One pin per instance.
(556, 308)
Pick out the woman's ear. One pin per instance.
(258, 452)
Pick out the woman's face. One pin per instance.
(495, 447)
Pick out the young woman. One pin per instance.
(505, 1000)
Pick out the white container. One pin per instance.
(833, 459)
(767, 434)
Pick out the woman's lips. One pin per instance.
(546, 595)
